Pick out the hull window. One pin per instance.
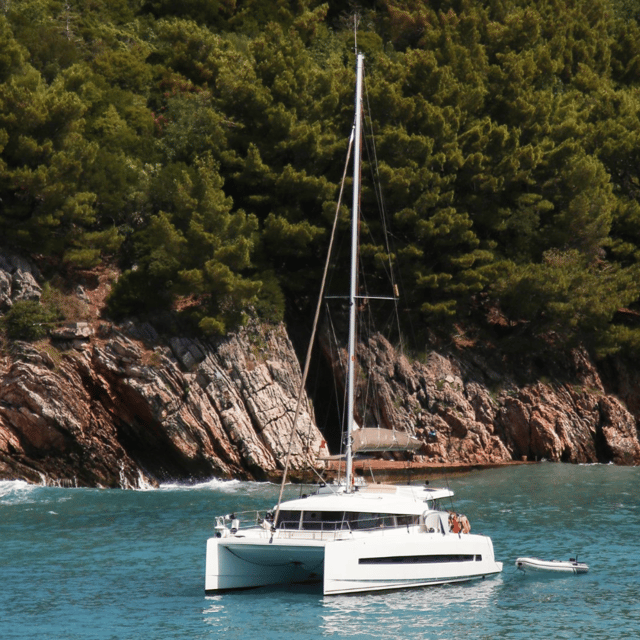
(437, 559)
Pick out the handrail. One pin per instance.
(254, 518)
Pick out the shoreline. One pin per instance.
(398, 471)
(393, 471)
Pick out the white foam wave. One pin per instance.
(218, 485)
(16, 491)
(215, 483)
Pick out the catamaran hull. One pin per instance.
(236, 563)
(358, 565)
(350, 565)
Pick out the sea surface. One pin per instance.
(109, 564)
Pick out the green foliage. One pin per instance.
(270, 301)
(28, 320)
(31, 320)
(565, 298)
(214, 13)
(12, 53)
(201, 145)
(195, 246)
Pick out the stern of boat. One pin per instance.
(243, 563)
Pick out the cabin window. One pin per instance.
(369, 520)
(312, 520)
(289, 520)
(403, 521)
(322, 520)
(335, 521)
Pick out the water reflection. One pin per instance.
(422, 613)
(304, 613)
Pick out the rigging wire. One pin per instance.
(366, 323)
(381, 204)
(313, 333)
(341, 406)
(372, 153)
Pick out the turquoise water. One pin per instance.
(106, 564)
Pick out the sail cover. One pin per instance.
(371, 440)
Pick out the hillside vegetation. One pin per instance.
(199, 144)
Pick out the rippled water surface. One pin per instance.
(105, 564)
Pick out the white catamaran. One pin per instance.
(351, 537)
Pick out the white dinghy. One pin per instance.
(563, 566)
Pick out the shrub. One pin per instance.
(28, 320)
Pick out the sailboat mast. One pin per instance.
(353, 292)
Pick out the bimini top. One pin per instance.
(390, 499)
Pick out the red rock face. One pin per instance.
(102, 406)
(468, 414)
(110, 412)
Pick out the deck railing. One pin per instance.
(311, 529)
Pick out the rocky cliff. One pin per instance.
(97, 404)
(468, 413)
(100, 405)
(106, 408)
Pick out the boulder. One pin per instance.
(18, 280)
